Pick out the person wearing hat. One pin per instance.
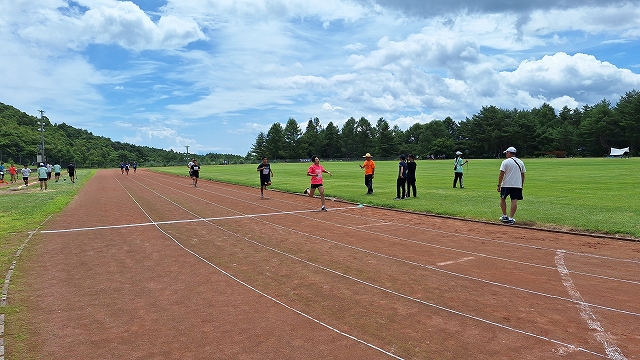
(510, 183)
(458, 162)
(369, 170)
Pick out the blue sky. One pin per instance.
(212, 74)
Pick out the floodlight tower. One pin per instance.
(41, 123)
(187, 146)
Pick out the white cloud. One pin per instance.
(212, 74)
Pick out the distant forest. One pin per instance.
(589, 131)
(21, 141)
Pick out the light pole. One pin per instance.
(41, 123)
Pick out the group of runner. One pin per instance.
(44, 172)
(510, 179)
(124, 167)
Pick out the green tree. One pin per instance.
(291, 146)
(331, 136)
(347, 138)
(259, 148)
(384, 137)
(627, 111)
(363, 137)
(275, 141)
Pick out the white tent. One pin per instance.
(618, 152)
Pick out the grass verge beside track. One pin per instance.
(597, 195)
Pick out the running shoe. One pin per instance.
(306, 191)
(504, 218)
(510, 221)
(323, 209)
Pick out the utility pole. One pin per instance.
(42, 133)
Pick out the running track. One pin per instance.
(146, 266)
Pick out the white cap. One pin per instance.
(458, 153)
(510, 149)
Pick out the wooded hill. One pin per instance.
(20, 143)
(589, 131)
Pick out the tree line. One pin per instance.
(21, 141)
(589, 131)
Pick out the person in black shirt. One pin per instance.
(265, 175)
(195, 172)
(72, 172)
(411, 176)
(402, 178)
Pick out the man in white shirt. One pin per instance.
(510, 183)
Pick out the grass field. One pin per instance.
(23, 209)
(594, 195)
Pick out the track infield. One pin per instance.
(147, 266)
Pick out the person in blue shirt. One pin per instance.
(402, 178)
(458, 174)
(42, 176)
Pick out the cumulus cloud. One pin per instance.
(109, 22)
(212, 74)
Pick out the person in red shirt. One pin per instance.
(315, 171)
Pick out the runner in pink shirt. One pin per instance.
(315, 171)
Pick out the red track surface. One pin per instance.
(223, 274)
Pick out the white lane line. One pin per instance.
(566, 345)
(604, 337)
(399, 259)
(455, 261)
(191, 220)
(299, 312)
(376, 224)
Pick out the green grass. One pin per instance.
(23, 210)
(594, 195)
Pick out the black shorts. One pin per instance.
(265, 180)
(513, 193)
(57, 174)
(43, 179)
(315, 186)
(195, 174)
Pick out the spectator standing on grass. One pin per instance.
(25, 175)
(402, 178)
(1, 171)
(49, 171)
(56, 171)
(72, 172)
(411, 175)
(510, 183)
(43, 175)
(315, 171)
(265, 175)
(13, 171)
(458, 174)
(369, 168)
(195, 172)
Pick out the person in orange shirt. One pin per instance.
(13, 171)
(369, 170)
